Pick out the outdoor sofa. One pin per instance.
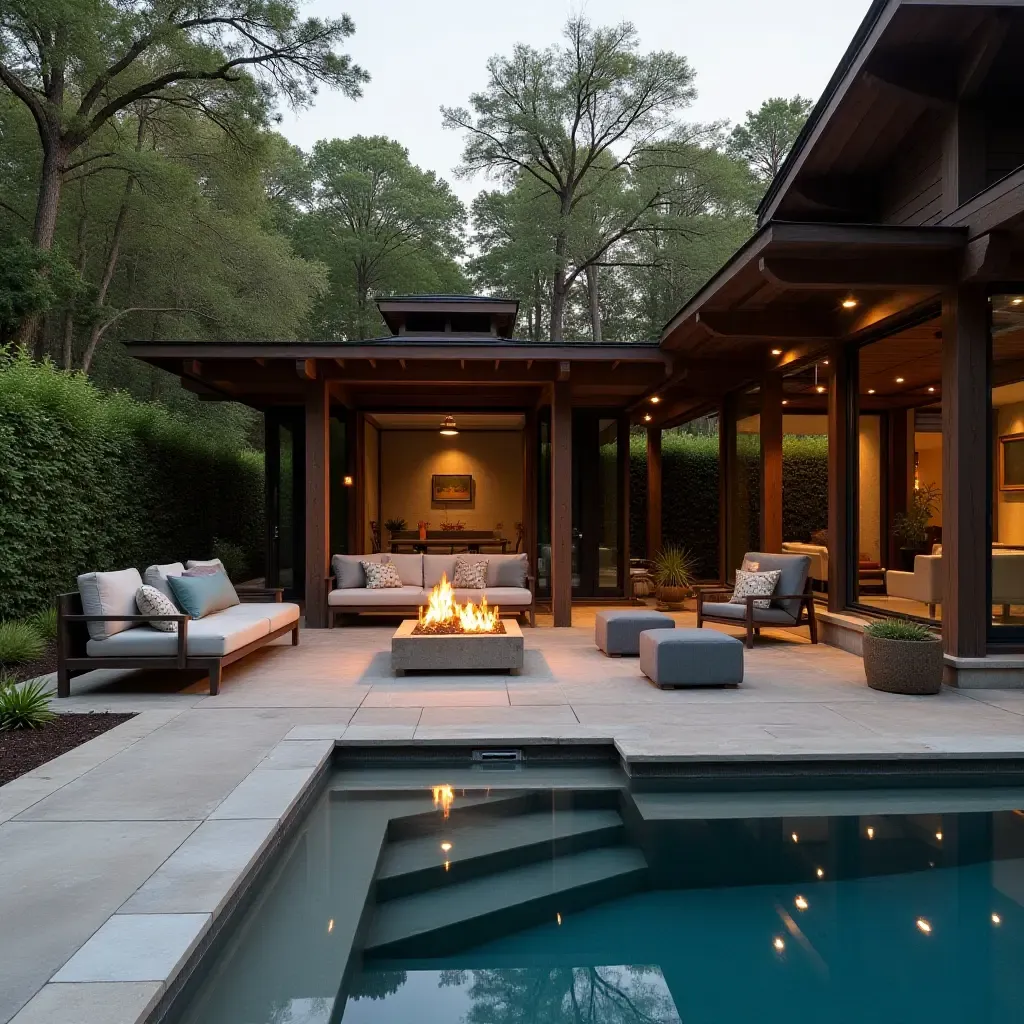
(106, 629)
(792, 603)
(509, 584)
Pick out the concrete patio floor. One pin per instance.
(209, 777)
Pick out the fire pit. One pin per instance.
(449, 636)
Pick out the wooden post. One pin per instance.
(844, 378)
(352, 469)
(561, 504)
(530, 488)
(771, 463)
(653, 491)
(359, 485)
(965, 415)
(726, 483)
(318, 497)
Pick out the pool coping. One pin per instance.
(135, 966)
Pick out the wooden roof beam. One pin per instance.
(840, 275)
(306, 369)
(769, 325)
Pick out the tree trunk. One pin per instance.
(108, 275)
(595, 306)
(558, 286)
(538, 306)
(68, 341)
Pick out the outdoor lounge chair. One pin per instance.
(792, 604)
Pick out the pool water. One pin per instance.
(536, 901)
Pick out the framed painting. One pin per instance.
(1011, 462)
(451, 488)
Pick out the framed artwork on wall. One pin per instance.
(451, 488)
(1011, 462)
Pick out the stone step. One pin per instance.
(444, 921)
(413, 865)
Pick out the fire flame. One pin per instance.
(443, 798)
(444, 610)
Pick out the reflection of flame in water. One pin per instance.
(444, 610)
(443, 798)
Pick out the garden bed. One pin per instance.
(21, 750)
(41, 666)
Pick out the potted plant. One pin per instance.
(902, 657)
(911, 527)
(672, 571)
(394, 526)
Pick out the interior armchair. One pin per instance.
(792, 604)
(923, 585)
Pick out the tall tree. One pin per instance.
(767, 134)
(77, 66)
(570, 117)
(379, 224)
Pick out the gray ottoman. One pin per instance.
(691, 657)
(617, 631)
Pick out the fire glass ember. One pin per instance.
(444, 615)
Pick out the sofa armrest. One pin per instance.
(181, 619)
(710, 591)
(250, 595)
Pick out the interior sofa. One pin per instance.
(509, 584)
(99, 626)
(924, 584)
(817, 553)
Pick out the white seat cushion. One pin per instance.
(109, 593)
(277, 613)
(212, 637)
(386, 597)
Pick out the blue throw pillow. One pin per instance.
(203, 595)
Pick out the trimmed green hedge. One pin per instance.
(689, 466)
(91, 480)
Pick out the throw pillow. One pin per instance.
(156, 576)
(381, 576)
(199, 596)
(507, 571)
(749, 583)
(151, 601)
(348, 571)
(470, 575)
(749, 565)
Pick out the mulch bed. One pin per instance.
(21, 750)
(40, 667)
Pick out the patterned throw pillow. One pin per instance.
(748, 583)
(151, 601)
(381, 576)
(470, 575)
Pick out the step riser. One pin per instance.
(465, 934)
(432, 822)
(436, 877)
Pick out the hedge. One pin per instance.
(92, 481)
(689, 467)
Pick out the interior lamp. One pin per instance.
(448, 428)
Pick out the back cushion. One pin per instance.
(109, 593)
(507, 570)
(410, 568)
(198, 563)
(436, 566)
(348, 570)
(156, 576)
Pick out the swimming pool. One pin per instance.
(567, 894)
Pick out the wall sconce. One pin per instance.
(347, 481)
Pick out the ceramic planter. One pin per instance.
(673, 597)
(903, 666)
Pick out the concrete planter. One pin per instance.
(903, 666)
(672, 598)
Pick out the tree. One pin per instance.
(766, 135)
(380, 225)
(570, 117)
(78, 66)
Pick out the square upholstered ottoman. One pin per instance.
(617, 631)
(691, 657)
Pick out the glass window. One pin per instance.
(1007, 404)
(898, 526)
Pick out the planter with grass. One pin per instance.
(902, 657)
(673, 574)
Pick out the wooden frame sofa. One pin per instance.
(74, 641)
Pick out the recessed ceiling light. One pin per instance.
(871, 832)
(794, 837)
(1017, 302)
(931, 389)
(648, 417)
(996, 919)
(899, 380)
(446, 846)
(655, 399)
(871, 391)
(778, 944)
(820, 389)
(785, 401)
(849, 303)
(825, 361)
(776, 351)
(820, 872)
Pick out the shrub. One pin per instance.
(232, 557)
(93, 481)
(20, 641)
(24, 705)
(44, 622)
(898, 629)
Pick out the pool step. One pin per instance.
(468, 809)
(446, 920)
(487, 846)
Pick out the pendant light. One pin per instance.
(448, 428)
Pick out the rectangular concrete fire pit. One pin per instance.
(455, 652)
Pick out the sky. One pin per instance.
(425, 53)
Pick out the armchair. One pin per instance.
(791, 605)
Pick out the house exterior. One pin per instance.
(880, 303)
